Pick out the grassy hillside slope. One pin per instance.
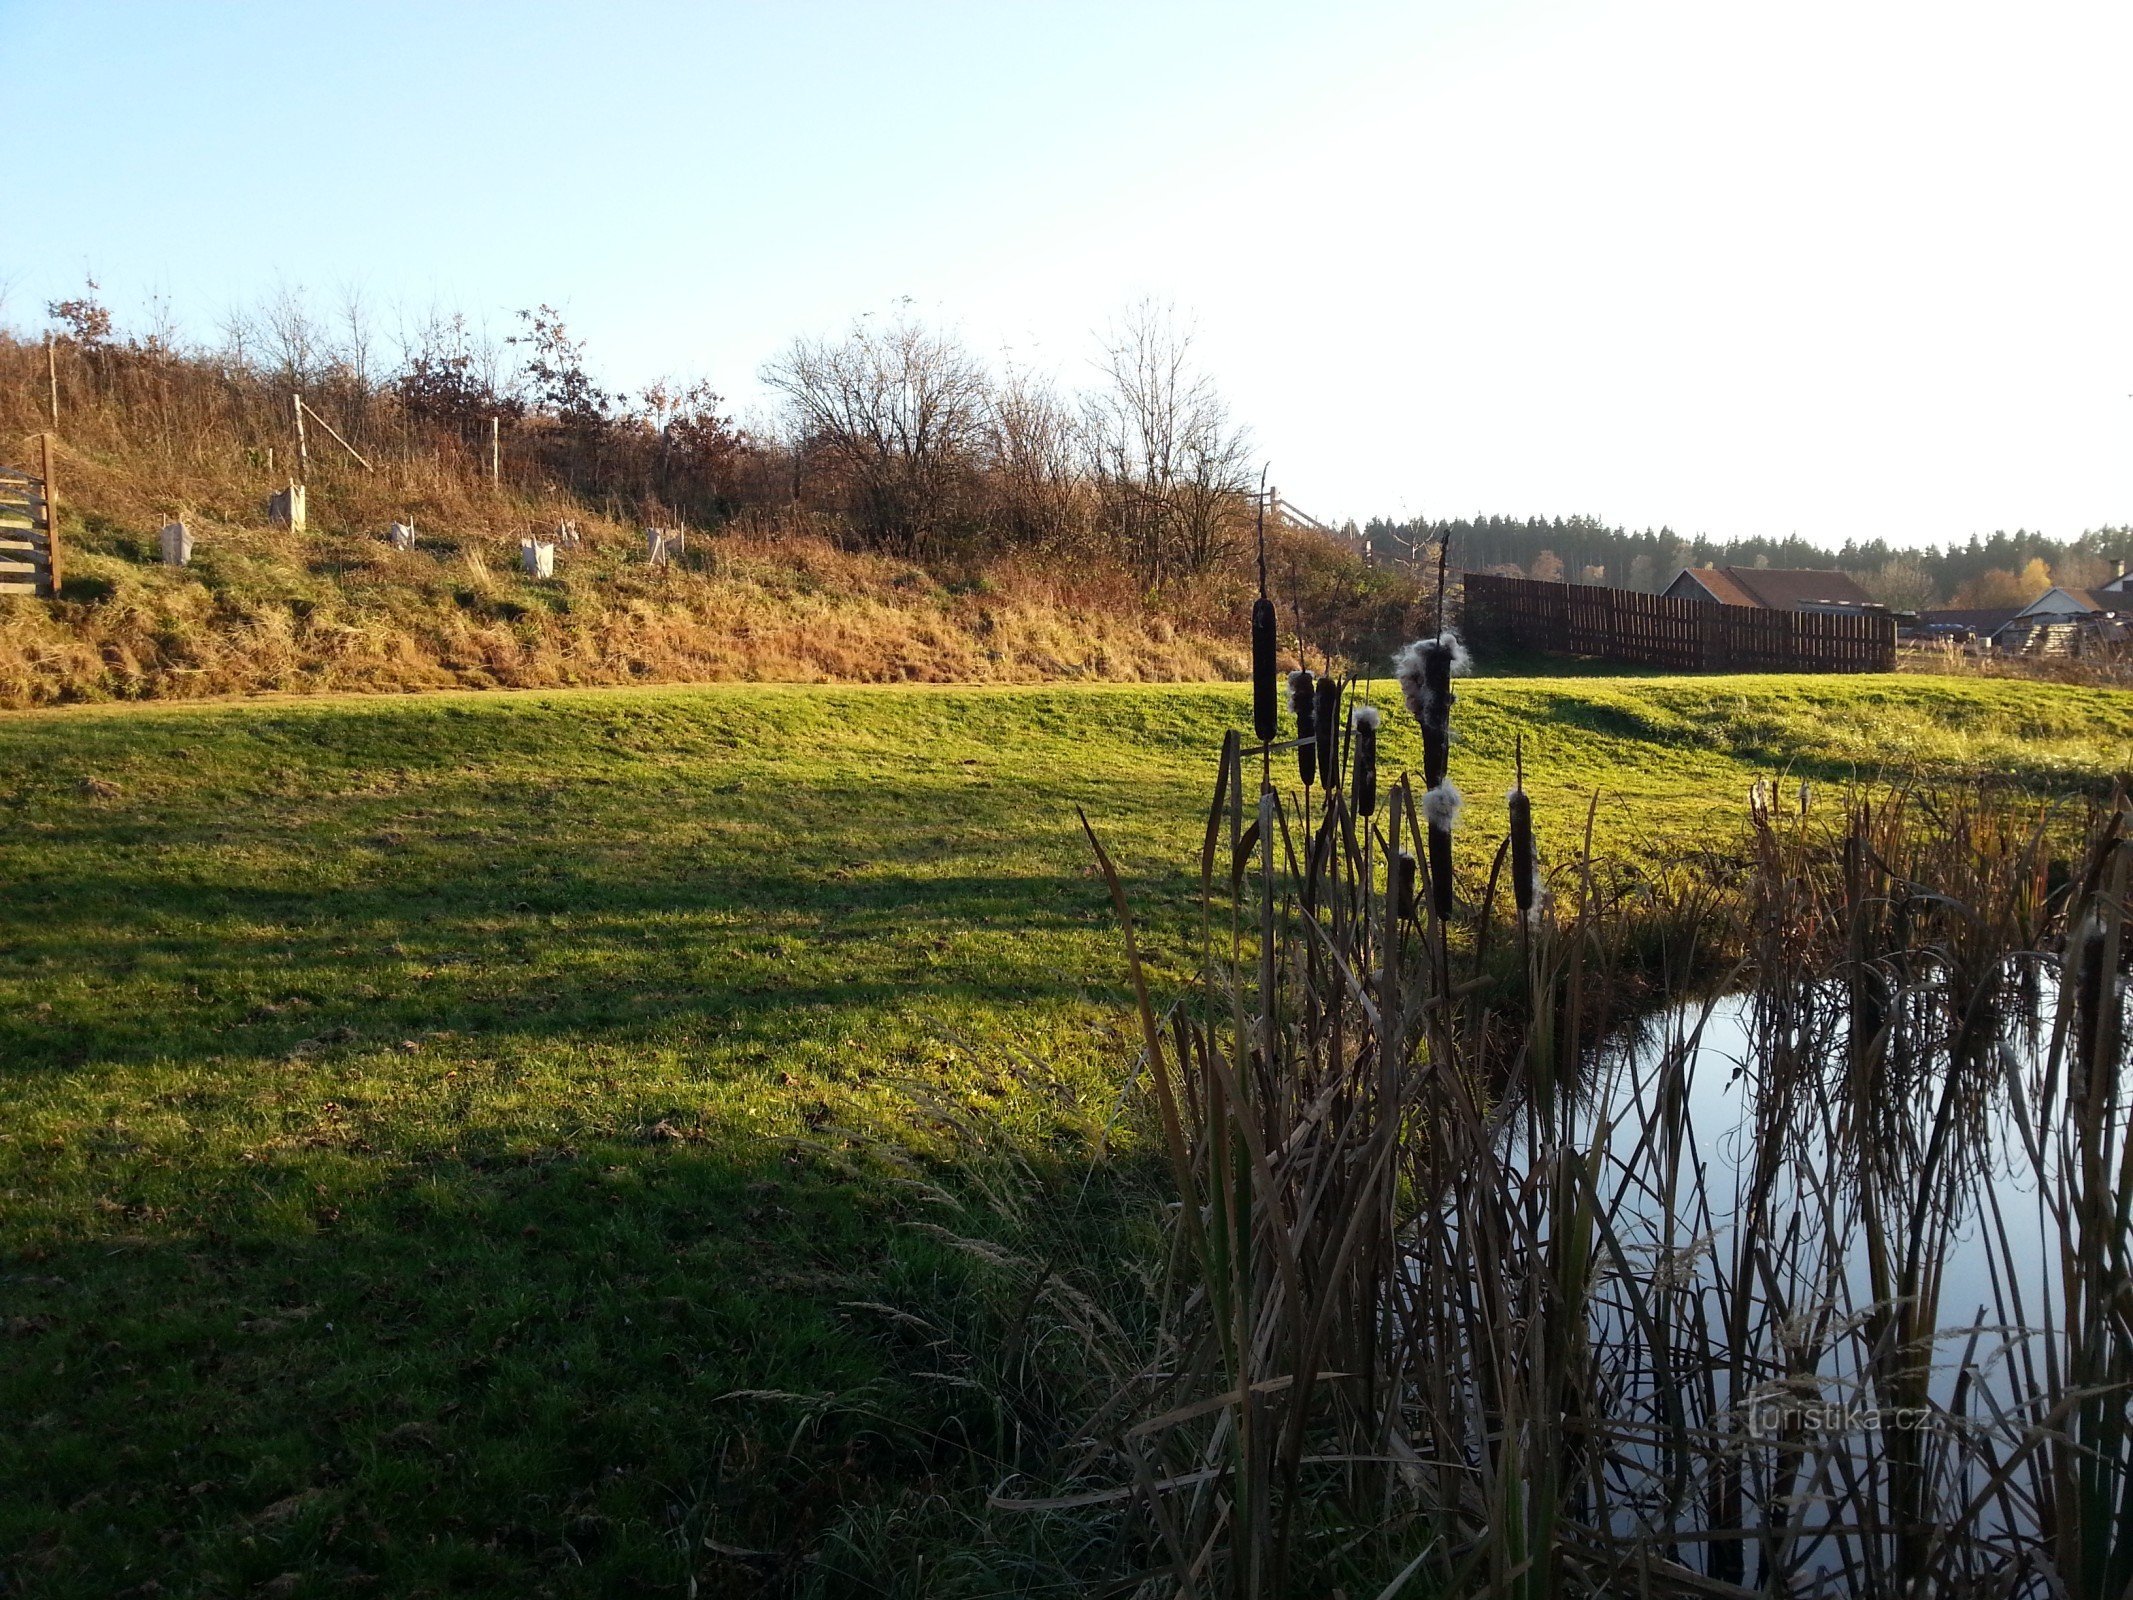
(444, 1139)
(336, 608)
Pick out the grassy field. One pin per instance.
(420, 1117)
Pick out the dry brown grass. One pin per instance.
(335, 608)
(268, 610)
(2105, 666)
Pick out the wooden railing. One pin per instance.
(29, 530)
(1638, 629)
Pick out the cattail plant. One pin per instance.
(1401, 1347)
(1326, 729)
(1363, 756)
(1762, 801)
(1406, 1341)
(1424, 670)
(1440, 811)
(1266, 706)
(1303, 706)
(1525, 878)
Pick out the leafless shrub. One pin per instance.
(898, 411)
(1169, 464)
(1037, 499)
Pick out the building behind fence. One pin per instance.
(1637, 629)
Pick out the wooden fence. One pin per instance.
(1651, 630)
(29, 530)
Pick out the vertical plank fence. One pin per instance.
(1651, 630)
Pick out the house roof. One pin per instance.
(1985, 619)
(1719, 586)
(2078, 599)
(1781, 588)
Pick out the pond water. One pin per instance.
(1769, 1221)
(1990, 1235)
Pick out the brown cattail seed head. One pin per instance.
(1425, 670)
(1363, 747)
(1440, 873)
(1437, 732)
(1403, 882)
(1301, 704)
(1523, 881)
(1328, 724)
(1440, 815)
(1266, 704)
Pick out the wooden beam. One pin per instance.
(51, 513)
(303, 406)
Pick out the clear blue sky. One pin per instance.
(1839, 269)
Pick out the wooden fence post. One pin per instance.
(51, 378)
(303, 451)
(51, 511)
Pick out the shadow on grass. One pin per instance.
(510, 1379)
(160, 973)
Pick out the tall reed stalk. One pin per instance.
(1489, 1276)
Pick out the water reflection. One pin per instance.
(1829, 1299)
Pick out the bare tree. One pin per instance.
(1032, 458)
(1168, 462)
(358, 342)
(161, 337)
(296, 345)
(1902, 583)
(899, 410)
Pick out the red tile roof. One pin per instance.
(1780, 588)
(1718, 583)
(1793, 588)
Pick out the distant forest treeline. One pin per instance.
(1983, 571)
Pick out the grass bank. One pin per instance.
(443, 1139)
(264, 610)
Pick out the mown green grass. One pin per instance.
(419, 1117)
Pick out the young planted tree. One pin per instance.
(559, 387)
(451, 379)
